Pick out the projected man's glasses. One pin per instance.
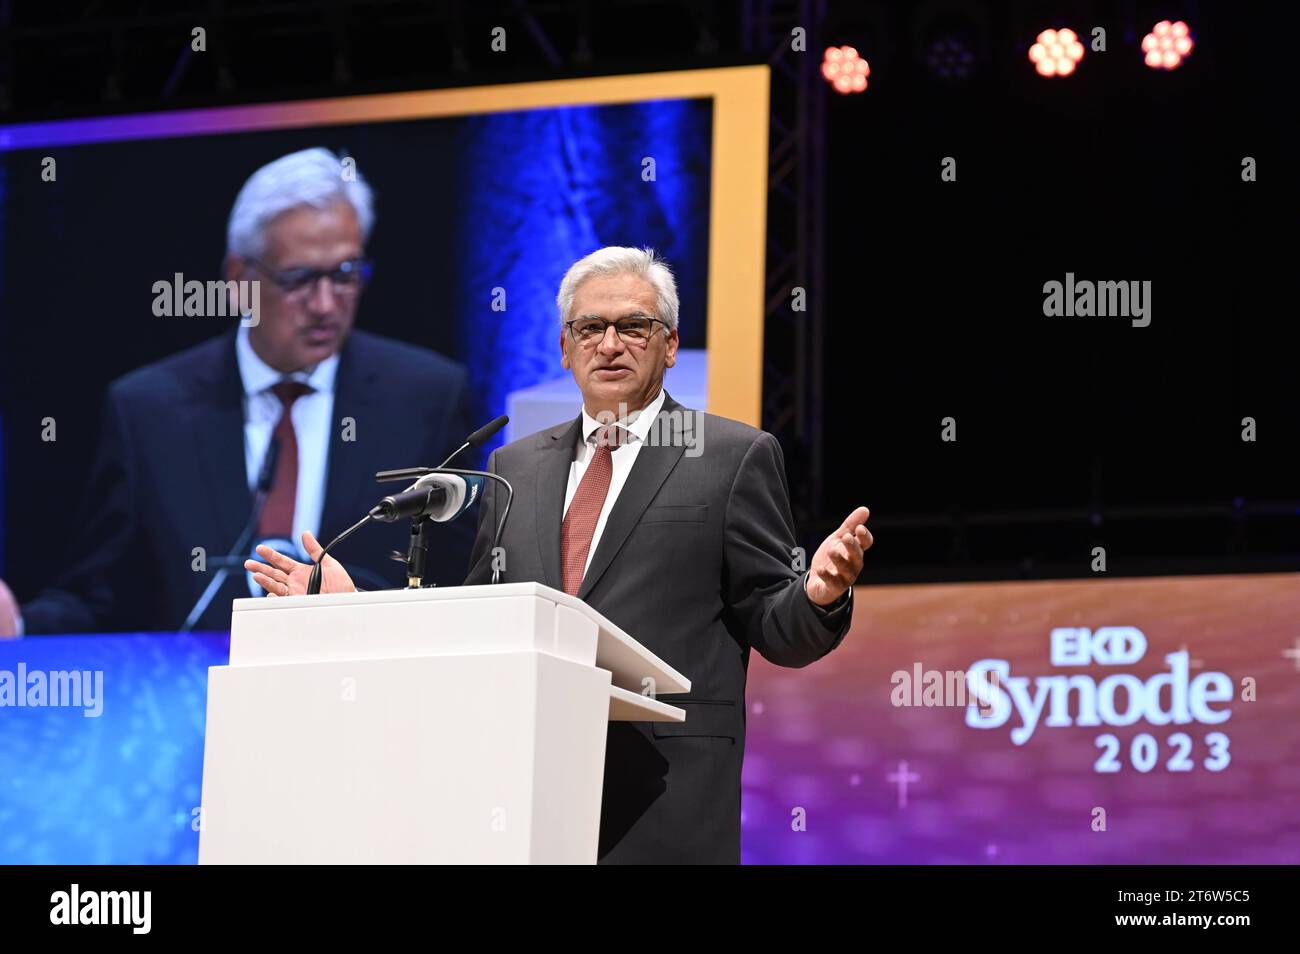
(345, 278)
(634, 329)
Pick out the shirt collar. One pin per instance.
(637, 423)
(258, 376)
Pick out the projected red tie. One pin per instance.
(584, 510)
(277, 515)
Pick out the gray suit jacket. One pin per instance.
(695, 562)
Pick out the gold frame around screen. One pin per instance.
(737, 194)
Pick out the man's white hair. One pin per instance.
(312, 177)
(617, 260)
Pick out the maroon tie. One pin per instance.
(277, 514)
(584, 510)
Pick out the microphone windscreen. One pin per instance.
(481, 436)
(460, 493)
(471, 490)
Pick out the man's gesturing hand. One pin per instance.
(285, 576)
(8, 613)
(838, 561)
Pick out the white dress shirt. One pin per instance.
(311, 425)
(635, 428)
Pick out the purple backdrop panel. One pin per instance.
(1140, 721)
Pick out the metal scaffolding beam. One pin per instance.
(793, 390)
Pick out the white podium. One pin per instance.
(460, 725)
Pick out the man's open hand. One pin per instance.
(838, 561)
(8, 613)
(285, 576)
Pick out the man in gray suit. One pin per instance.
(675, 525)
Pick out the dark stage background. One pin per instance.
(1072, 433)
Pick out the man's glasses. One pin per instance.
(345, 278)
(634, 329)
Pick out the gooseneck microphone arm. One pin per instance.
(313, 583)
(501, 525)
(505, 512)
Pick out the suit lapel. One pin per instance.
(655, 460)
(346, 474)
(219, 442)
(557, 448)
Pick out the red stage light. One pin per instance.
(845, 70)
(1167, 45)
(1055, 52)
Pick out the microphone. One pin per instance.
(475, 440)
(463, 493)
(438, 496)
(468, 474)
(478, 438)
(424, 498)
(418, 548)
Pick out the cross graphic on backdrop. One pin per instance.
(902, 777)
(1293, 653)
